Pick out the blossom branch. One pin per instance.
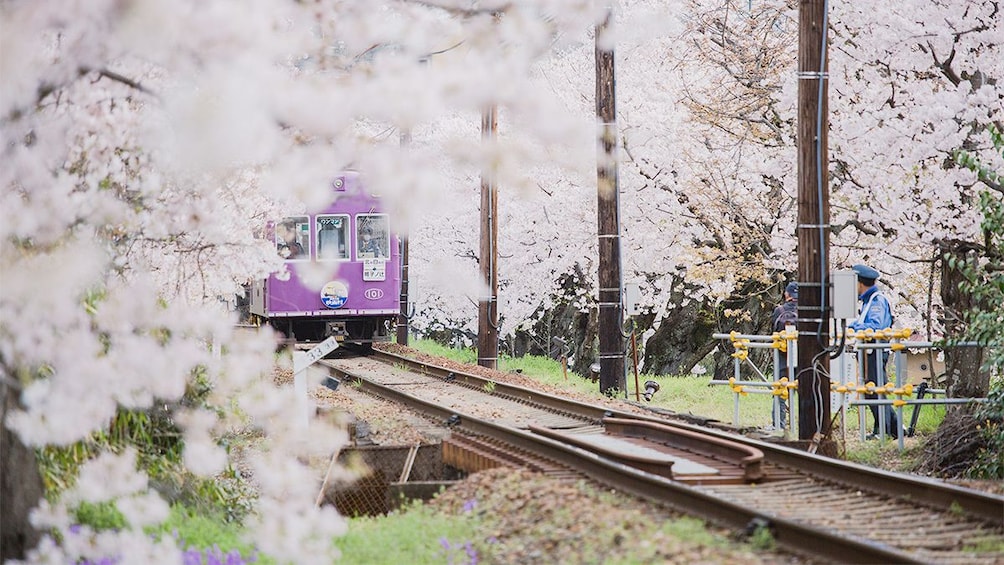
(112, 75)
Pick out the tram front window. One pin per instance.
(373, 237)
(331, 237)
(292, 238)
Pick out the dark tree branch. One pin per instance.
(111, 75)
(946, 66)
(459, 11)
(861, 227)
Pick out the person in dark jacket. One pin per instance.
(875, 314)
(785, 314)
(287, 242)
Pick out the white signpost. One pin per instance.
(302, 360)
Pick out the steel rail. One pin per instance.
(746, 457)
(980, 505)
(792, 536)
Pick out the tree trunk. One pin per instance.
(684, 337)
(20, 486)
(681, 341)
(964, 377)
(564, 320)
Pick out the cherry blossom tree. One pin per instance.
(145, 144)
(706, 108)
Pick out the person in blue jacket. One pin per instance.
(875, 314)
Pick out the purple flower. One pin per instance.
(215, 556)
(469, 505)
(195, 556)
(472, 554)
(192, 557)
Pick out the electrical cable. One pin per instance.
(843, 340)
(630, 324)
(819, 370)
(819, 177)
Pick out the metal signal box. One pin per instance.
(844, 294)
(632, 299)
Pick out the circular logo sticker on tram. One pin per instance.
(334, 294)
(373, 293)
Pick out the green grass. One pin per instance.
(686, 394)
(432, 348)
(416, 535)
(199, 530)
(683, 532)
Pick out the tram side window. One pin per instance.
(332, 243)
(373, 236)
(292, 238)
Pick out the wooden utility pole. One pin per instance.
(488, 335)
(612, 378)
(402, 317)
(813, 222)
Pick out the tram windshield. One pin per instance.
(332, 237)
(292, 238)
(372, 236)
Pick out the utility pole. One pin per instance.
(612, 378)
(813, 222)
(402, 317)
(488, 336)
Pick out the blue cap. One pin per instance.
(792, 289)
(865, 272)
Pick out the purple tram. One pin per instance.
(358, 304)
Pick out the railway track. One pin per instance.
(815, 506)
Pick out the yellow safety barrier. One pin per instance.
(861, 335)
(781, 343)
(738, 389)
(780, 388)
(906, 390)
(868, 388)
(781, 339)
(843, 388)
(741, 346)
(887, 389)
(888, 333)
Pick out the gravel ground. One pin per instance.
(527, 518)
